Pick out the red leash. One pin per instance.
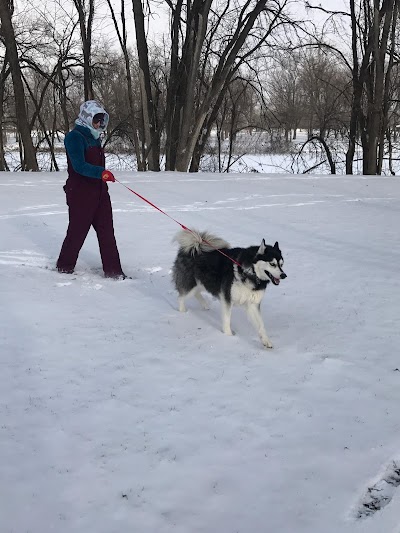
(181, 225)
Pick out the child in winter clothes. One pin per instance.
(87, 194)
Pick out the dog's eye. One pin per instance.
(272, 264)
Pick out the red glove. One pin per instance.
(107, 175)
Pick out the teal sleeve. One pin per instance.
(75, 146)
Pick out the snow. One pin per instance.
(118, 413)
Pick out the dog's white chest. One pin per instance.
(242, 294)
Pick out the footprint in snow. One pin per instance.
(380, 493)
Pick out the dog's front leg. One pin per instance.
(254, 314)
(226, 316)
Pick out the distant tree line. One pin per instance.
(218, 70)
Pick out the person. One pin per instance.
(87, 194)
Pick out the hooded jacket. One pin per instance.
(84, 135)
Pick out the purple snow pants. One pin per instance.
(89, 205)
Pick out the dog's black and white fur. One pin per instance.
(199, 266)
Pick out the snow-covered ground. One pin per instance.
(119, 414)
(251, 155)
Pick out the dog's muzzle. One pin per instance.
(274, 280)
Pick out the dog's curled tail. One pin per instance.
(192, 241)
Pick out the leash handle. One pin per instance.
(181, 225)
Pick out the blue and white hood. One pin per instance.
(87, 111)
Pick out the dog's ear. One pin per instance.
(276, 245)
(261, 250)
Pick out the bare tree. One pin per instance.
(122, 38)
(236, 115)
(211, 52)
(373, 26)
(324, 87)
(46, 56)
(285, 93)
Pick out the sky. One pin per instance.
(158, 24)
(118, 413)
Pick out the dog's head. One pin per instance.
(268, 263)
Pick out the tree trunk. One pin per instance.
(28, 161)
(224, 70)
(232, 136)
(63, 99)
(371, 81)
(38, 106)
(149, 110)
(205, 132)
(197, 32)
(357, 93)
(5, 71)
(85, 27)
(174, 93)
(385, 130)
(355, 117)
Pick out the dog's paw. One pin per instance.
(229, 332)
(267, 343)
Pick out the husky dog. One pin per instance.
(237, 276)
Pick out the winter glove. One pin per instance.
(107, 175)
